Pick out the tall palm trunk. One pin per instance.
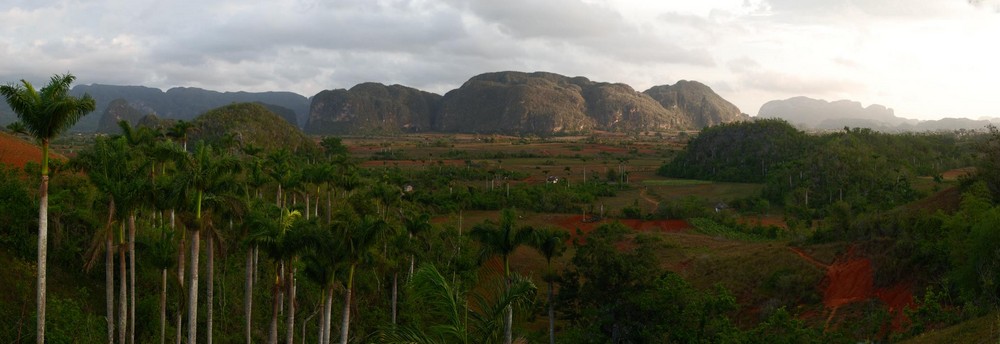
(131, 278)
(181, 251)
(346, 321)
(210, 294)
(43, 241)
(290, 323)
(192, 306)
(109, 273)
(163, 306)
(272, 337)
(508, 333)
(122, 295)
(109, 284)
(327, 315)
(413, 259)
(552, 316)
(193, 288)
(248, 295)
(395, 283)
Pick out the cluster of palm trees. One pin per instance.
(217, 195)
(326, 222)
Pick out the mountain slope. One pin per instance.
(250, 123)
(371, 107)
(698, 102)
(546, 103)
(177, 103)
(814, 112)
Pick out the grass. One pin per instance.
(675, 182)
(985, 329)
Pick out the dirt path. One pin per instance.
(655, 203)
(809, 258)
(850, 279)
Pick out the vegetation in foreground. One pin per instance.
(320, 244)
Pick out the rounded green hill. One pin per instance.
(250, 124)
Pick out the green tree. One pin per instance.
(451, 318)
(45, 114)
(324, 254)
(362, 233)
(501, 239)
(550, 243)
(204, 175)
(272, 235)
(111, 165)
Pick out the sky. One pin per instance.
(926, 59)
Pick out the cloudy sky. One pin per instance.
(926, 59)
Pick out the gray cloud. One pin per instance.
(758, 50)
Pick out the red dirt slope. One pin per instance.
(17, 152)
(850, 279)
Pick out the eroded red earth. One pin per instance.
(850, 279)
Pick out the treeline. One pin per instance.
(864, 168)
(945, 246)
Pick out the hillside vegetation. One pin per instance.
(447, 237)
(250, 124)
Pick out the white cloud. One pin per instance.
(890, 52)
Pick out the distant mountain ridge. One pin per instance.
(184, 103)
(821, 114)
(499, 102)
(518, 102)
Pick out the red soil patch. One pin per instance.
(897, 298)
(17, 152)
(850, 279)
(947, 200)
(847, 282)
(957, 173)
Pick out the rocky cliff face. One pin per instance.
(372, 108)
(618, 107)
(514, 103)
(118, 110)
(519, 103)
(547, 103)
(697, 102)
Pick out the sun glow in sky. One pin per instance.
(925, 59)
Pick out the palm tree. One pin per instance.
(230, 208)
(501, 240)
(253, 179)
(453, 319)
(361, 235)
(162, 255)
(550, 243)
(180, 131)
(142, 141)
(204, 174)
(272, 235)
(416, 225)
(281, 168)
(45, 115)
(111, 166)
(161, 154)
(323, 256)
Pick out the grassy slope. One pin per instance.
(985, 329)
